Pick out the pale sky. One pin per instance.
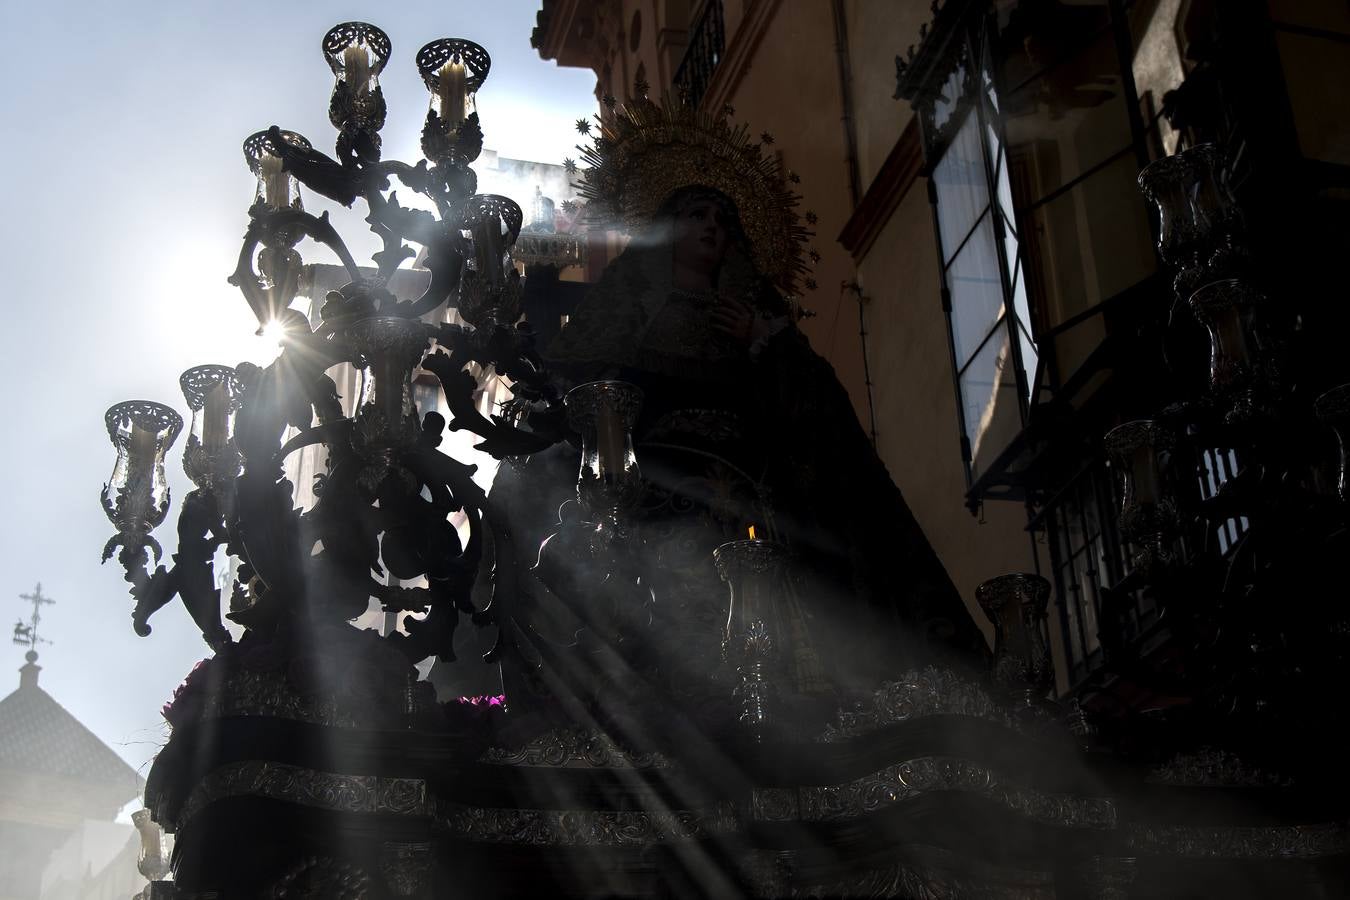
(126, 202)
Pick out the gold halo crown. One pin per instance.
(645, 151)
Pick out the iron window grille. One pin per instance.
(707, 41)
(1087, 558)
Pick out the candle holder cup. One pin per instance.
(490, 287)
(386, 423)
(1148, 517)
(453, 70)
(1016, 603)
(357, 52)
(136, 497)
(609, 484)
(1240, 377)
(1198, 221)
(1332, 408)
(211, 458)
(753, 569)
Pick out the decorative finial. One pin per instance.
(570, 166)
(728, 110)
(583, 126)
(811, 217)
(640, 87)
(608, 100)
(766, 138)
(28, 633)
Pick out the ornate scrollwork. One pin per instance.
(588, 827)
(1213, 767)
(1236, 842)
(322, 878)
(932, 691)
(919, 873)
(436, 54)
(308, 787)
(571, 748)
(924, 775)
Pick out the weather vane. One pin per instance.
(27, 633)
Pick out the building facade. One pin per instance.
(987, 287)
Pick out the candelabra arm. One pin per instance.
(151, 591)
(500, 439)
(263, 225)
(446, 265)
(388, 221)
(193, 574)
(321, 174)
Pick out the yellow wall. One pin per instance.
(917, 432)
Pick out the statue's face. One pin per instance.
(701, 234)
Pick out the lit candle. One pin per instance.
(452, 88)
(216, 418)
(752, 533)
(276, 181)
(356, 65)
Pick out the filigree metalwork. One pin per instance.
(1016, 604)
(1239, 842)
(436, 54)
(559, 250)
(907, 780)
(572, 748)
(931, 691)
(322, 878)
(587, 827)
(405, 866)
(308, 787)
(1214, 767)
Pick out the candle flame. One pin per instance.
(752, 532)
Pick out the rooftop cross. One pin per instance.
(28, 633)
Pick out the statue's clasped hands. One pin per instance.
(738, 320)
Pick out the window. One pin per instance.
(1033, 135)
(984, 291)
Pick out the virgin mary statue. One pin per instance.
(742, 423)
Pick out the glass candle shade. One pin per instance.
(1167, 183)
(753, 571)
(356, 52)
(1197, 217)
(1147, 515)
(604, 413)
(152, 862)
(453, 70)
(277, 187)
(492, 223)
(1225, 309)
(1015, 603)
(136, 497)
(211, 459)
(1333, 409)
(490, 287)
(386, 418)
